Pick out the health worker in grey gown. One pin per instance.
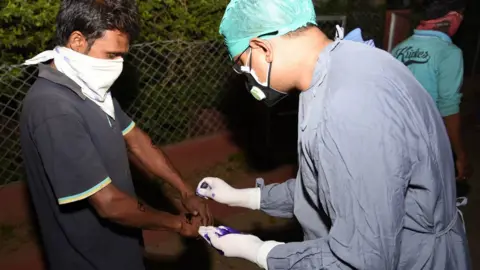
(375, 187)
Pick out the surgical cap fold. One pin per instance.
(247, 19)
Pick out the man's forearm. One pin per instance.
(453, 126)
(144, 217)
(173, 197)
(139, 165)
(161, 166)
(120, 208)
(153, 160)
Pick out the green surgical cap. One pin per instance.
(247, 19)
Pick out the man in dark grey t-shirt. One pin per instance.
(75, 139)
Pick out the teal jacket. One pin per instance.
(437, 64)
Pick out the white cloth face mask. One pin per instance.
(94, 76)
(98, 75)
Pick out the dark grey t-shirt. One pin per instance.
(72, 149)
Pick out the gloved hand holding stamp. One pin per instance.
(220, 231)
(221, 192)
(232, 243)
(203, 185)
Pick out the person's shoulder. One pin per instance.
(451, 50)
(407, 46)
(351, 53)
(44, 92)
(417, 45)
(46, 99)
(367, 80)
(357, 64)
(366, 101)
(404, 43)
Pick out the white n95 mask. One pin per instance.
(260, 91)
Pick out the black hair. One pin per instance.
(93, 17)
(435, 9)
(300, 30)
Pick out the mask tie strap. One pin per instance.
(340, 34)
(269, 71)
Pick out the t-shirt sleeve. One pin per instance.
(450, 79)
(70, 159)
(126, 123)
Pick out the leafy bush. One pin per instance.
(28, 26)
(181, 19)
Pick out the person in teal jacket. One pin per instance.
(437, 64)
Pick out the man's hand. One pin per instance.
(198, 207)
(189, 225)
(218, 190)
(464, 170)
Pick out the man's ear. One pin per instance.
(265, 46)
(78, 42)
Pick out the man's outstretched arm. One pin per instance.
(76, 173)
(116, 206)
(450, 79)
(152, 159)
(275, 199)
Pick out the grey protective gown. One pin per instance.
(375, 187)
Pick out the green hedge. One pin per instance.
(28, 26)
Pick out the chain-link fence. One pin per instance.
(175, 88)
(14, 82)
(172, 89)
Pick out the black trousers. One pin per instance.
(463, 188)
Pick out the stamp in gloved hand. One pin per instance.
(204, 185)
(220, 231)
